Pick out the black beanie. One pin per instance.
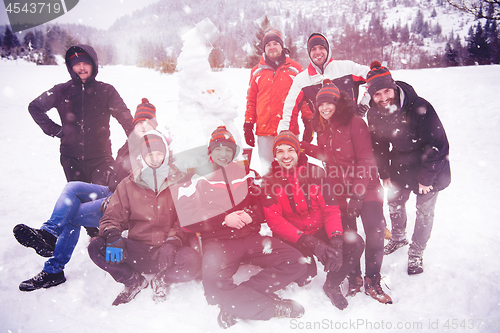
(379, 78)
(271, 34)
(145, 111)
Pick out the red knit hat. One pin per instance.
(317, 39)
(271, 34)
(286, 137)
(378, 78)
(222, 137)
(145, 111)
(152, 141)
(328, 93)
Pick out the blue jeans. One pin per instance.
(78, 205)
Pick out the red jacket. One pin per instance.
(345, 147)
(266, 95)
(295, 203)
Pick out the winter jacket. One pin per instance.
(149, 217)
(420, 148)
(266, 94)
(84, 109)
(345, 147)
(298, 201)
(306, 85)
(203, 201)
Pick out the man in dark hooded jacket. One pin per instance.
(84, 106)
(411, 148)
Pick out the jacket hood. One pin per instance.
(92, 54)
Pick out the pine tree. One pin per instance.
(478, 47)
(451, 56)
(254, 58)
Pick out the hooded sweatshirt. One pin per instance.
(84, 110)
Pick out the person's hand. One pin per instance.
(166, 254)
(335, 254)
(104, 204)
(317, 246)
(236, 219)
(422, 189)
(116, 249)
(362, 109)
(249, 136)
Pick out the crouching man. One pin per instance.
(143, 205)
(221, 202)
(300, 209)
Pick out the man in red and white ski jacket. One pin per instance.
(347, 76)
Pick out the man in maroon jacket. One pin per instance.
(300, 209)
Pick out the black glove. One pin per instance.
(116, 249)
(166, 254)
(335, 254)
(104, 204)
(308, 131)
(362, 109)
(354, 207)
(249, 137)
(317, 246)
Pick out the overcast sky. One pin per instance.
(96, 13)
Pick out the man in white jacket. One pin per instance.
(347, 76)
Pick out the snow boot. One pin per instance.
(415, 265)
(132, 287)
(42, 280)
(335, 295)
(355, 284)
(225, 319)
(287, 308)
(394, 245)
(373, 289)
(161, 289)
(43, 242)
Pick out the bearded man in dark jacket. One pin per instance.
(84, 106)
(411, 148)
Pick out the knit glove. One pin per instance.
(354, 207)
(116, 249)
(166, 253)
(249, 137)
(335, 254)
(308, 131)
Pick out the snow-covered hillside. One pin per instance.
(458, 292)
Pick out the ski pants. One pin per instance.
(144, 258)
(95, 170)
(372, 217)
(426, 203)
(251, 299)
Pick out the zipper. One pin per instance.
(82, 128)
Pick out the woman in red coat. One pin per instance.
(344, 146)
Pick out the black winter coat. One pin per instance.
(420, 147)
(84, 109)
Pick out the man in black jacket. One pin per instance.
(411, 148)
(84, 106)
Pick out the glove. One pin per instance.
(317, 246)
(362, 109)
(104, 204)
(308, 131)
(249, 137)
(116, 249)
(354, 207)
(335, 254)
(166, 253)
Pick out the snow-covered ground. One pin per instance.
(458, 292)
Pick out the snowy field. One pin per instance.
(458, 291)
